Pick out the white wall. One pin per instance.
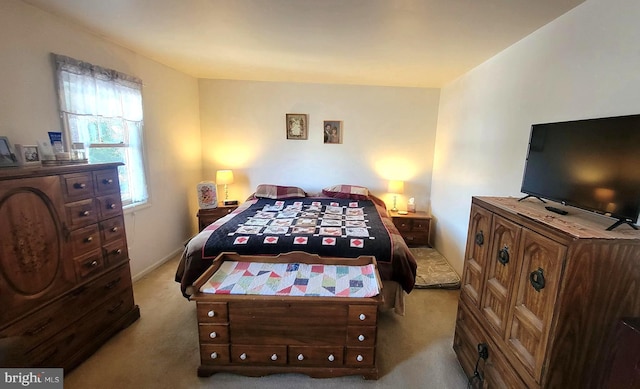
(389, 133)
(585, 64)
(28, 109)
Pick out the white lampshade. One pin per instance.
(396, 186)
(224, 177)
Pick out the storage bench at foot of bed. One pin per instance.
(258, 335)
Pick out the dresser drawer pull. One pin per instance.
(79, 185)
(359, 358)
(93, 263)
(41, 327)
(213, 335)
(107, 181)
(117, 251)
(214, 355)
(361, 338)
(211, 313)
(362, 317)
(113, 283)
(300, 357)
(112, 206)
(331, 358)
(243, 356)
(88, 239)
(503, 255)
(274, 357)
(480, 238)
(537, 279)
(114, 229)
(116, 307)
(84, 213)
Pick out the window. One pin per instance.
(102, 109)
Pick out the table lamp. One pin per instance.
(225, 177)
(396, 187)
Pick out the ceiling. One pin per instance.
(417, 43)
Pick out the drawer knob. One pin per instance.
(114, 229)
(213, 335)
(331, 358)
(211, 313)
(79, 185)
(359, 358)
(89, 239)
(274, 357)
(503, 255)
(112, 206)
(107, 181)
(117, 252)
(300, 357)
(93, 263)
(362, 316)
(361, 338)
(214, 355)
(243, 356)
(84, 213)
(537, 279)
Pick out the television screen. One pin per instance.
(591, 164)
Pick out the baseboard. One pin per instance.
(151, 268)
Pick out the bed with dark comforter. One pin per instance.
(327, 226)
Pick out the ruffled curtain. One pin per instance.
(86, 90)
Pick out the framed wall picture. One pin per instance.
(28, 155)
(207, 195)
(332, 131)
(7, 158)
(297, 126)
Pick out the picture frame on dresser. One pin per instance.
(7, 157)
(28, 155)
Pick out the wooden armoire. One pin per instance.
(543, 294)
(65, 282)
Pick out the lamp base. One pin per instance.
(230, 202)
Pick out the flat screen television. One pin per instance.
(591, 164)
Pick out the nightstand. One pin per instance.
(415, 227)
(208, 216)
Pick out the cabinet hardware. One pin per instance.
(537, 279)
(503, 255)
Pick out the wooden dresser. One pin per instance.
(544, 293)
(415, 227)
(259, 335)
(64, 267)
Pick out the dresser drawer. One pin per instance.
(60, 348)
(81, 213)
(251, 354)
(112, 229)
(212, 312)
(85, 239)
(88, 264)
(106, 181)
(115, 252)
(214, 354)
(77, 186)
(359, 356)
(109, 206)
(361, 336)
(213, 333)
(42, 323)
(415, 238)
(365, 315)
(316, 355)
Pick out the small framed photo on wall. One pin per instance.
(297, 126)
(332, 131)
(28, 155)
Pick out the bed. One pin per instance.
(344, 221)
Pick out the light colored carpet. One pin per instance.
(433, 270)
(160, 350)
